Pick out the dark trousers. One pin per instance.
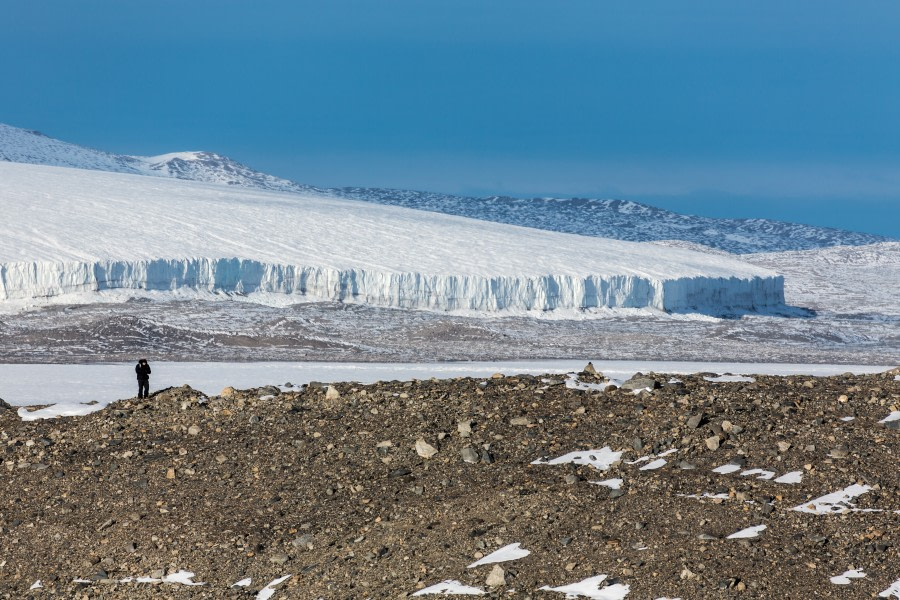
(144, 388)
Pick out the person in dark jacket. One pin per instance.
(142, 368)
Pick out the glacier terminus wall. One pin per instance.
(72, 231)
(19, 281)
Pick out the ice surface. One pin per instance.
(504, 554)
(450, 587)
(70, 230)
(845, 577)
(835, 502)
(269, 590)
(590, 588)
(601, 459)
(749, 532)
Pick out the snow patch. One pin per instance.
(726, 469)
(892, 590)
(894, 416)
(590, 588)
(601, 459)
(790, 477)
(835, 502)
(242, 583)
(504, 554)
(845, 577)
(450, 587)
(656, 464)
(761, 473)
(749, 532)
(613, 484)
(269, 591)
(730, 378)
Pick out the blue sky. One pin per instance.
(787, 110)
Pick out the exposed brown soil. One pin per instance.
(249, 485)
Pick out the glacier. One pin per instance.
(70, 231)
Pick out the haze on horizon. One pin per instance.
(769, 110)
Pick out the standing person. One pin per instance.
(142, 368)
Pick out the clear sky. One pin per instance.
(771, 108)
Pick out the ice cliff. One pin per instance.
(72, 231)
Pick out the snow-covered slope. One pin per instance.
(68, 231)
(850, 280)
(623, 220)
(33, 147)
(616, 219)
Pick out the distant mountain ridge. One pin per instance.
(616, 219)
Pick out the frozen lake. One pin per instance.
(70, 387)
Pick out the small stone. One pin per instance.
(469, 455)
(170, 473)
(784, 446)
(424, 449)
(464, 428)
(487, 458)
(571, 479)
(843, 398)
(713, 442)
(497, 376)
(228, 392)
(840, 452)
(305, 541)
(220, 458)
(496, 577)
(331, 393)
(520, 421)
(727, 426)
(279, 558)
(695, 421)
(193, 430)
(686, 466)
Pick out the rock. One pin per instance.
(269, 390)
(843, 398)
(228, 392)
(331, 393)
(487, 458)
(305, 541)
(784, 446)
(571, 479)
(695, 421)
(496, 577)
(469, 455)
(521, 421)
(686, 466)
(497, 376)
(193, 430)
(840, 452)
(639, 382)
(713, 442)
(464, 428)
(424, 449)
(279, 558)
(170, 473)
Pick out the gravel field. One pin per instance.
(383, 490)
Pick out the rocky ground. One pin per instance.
(377, 491)
(323, 331)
